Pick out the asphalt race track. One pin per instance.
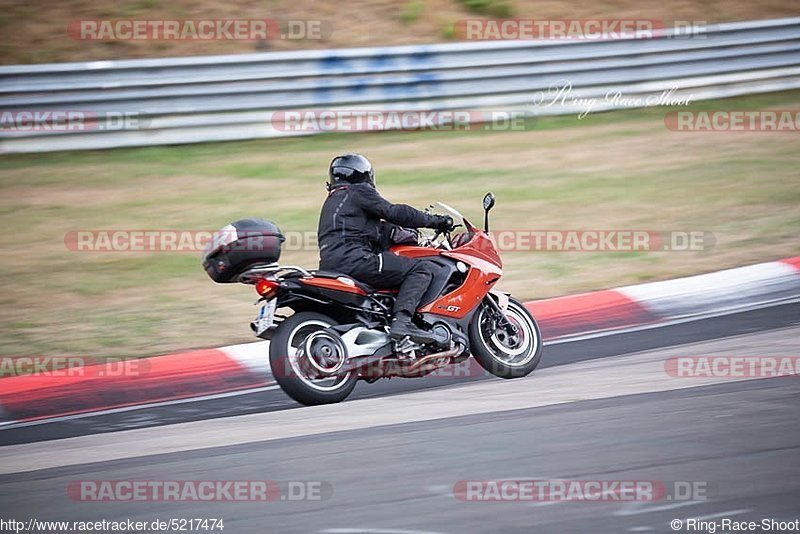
(274, 399)
(389, 460)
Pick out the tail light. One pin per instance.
(267, 288)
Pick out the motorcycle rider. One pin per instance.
(349, 235)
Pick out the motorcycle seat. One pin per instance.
(363, 286)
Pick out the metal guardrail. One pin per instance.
(217, 98)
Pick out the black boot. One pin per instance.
(402, 327)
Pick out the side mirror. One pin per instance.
(488, 203)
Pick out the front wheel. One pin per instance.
(304, 359)
(509, 346)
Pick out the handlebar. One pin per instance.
(446, 233)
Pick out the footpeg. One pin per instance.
(405, 348)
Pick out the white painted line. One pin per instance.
(642, 508)
(722, 312)
(7, 425)
(602, 378)
(740, 511)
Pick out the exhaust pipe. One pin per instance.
(452, 353)
(363, 361)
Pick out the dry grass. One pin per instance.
(37, 32)
(620, 170)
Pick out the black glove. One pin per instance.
(443, 223)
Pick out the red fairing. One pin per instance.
(485, 269)
(480, 255)
(333, 283)
(411, 251)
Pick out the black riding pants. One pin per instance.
(388, 270)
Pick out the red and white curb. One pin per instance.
(213, 373)
(656, 303)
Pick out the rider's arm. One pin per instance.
(400, 214)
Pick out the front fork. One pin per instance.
(499, 308)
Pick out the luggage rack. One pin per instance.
(257, 271)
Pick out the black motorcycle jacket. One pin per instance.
(350, 224)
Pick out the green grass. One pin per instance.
(615, 170)
(412, 11)
(494, 8)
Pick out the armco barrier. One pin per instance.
(196, 99)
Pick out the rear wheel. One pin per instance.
(509, 346)
(304, 360)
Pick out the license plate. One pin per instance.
(266, 317)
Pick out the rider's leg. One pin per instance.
(408, 299)
(414, 286)
(413, 276)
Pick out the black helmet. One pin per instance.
(351, 168)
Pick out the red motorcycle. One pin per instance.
(338, 331)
